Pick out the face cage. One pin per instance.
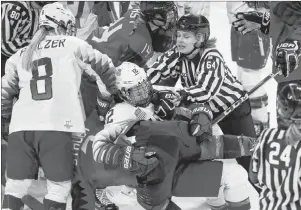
(139, 95)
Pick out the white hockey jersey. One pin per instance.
(86, 21)
(124, 112)
(49, 93)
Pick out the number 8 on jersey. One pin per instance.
(41, 83)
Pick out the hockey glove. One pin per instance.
(104, 103)
(164, 104)
(250, 21)
(287, 56)
(141, 161)
(201, 121)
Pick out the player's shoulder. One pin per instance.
(272, 134)
(212, 53)
(73, 39)
(72, 43)
(18, 6)
(123, 107)
(133, 21)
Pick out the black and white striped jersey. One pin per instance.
(19, 23)
(205, 78)
(276, 167)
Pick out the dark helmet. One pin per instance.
(195, 24)
(289, 103)
(160, 13)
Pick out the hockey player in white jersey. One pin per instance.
(46, 78)
(139, 103)
(85, 20)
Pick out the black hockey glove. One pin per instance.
(287, 56)
(104, 103)
(141, 160)
(250, 21)
(201, 121)
(164, 104)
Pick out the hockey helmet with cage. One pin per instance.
(163, 14)
(195, 24)
(133, 84)
(289, 104)
(56, 15)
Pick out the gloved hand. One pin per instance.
(139, 160)
(287, 56)
(164, 104)
(250, 21)
(201, 121)
(104, 103)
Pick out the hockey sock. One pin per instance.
(12, 203)
(242, 205)
(48, 204)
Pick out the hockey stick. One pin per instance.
(244, 97)
(111, 10)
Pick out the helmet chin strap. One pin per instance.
(193, 52)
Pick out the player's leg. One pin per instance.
(233, 194)
(254, 50)
(154, 191)
(55, 151)
(22, 168)
(197, 179)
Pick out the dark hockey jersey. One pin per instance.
(127, 39)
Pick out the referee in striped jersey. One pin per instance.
(19, 23)
(204, 75)
(276, 162)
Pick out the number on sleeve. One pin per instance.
(109, 116)
(41, 83)
(211, 63)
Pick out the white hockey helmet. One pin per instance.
(56, 15)
(133, 84)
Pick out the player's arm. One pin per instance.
(97, 65)
(227, 147)
(163, 68)
(14, 23)
(255, 161)
(139, 160)
(288, 52)
(10, 86)
(209, 81)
